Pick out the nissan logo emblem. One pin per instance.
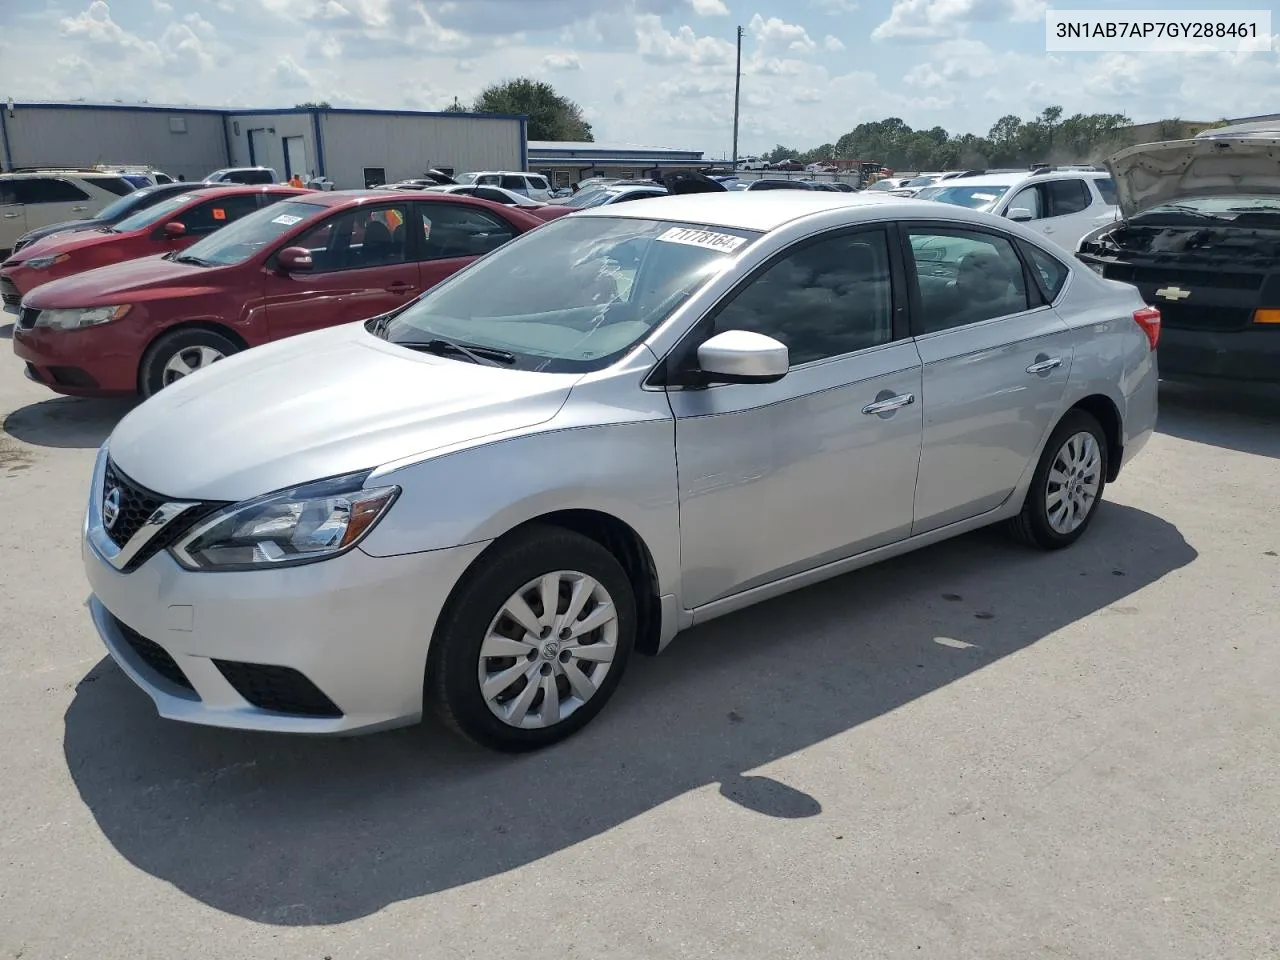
(111, 507)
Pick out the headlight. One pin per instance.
(76, 318)
(290, 527)
(44, 263)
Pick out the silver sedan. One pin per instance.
(623, 423)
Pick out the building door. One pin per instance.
(257, 147)
(295, 157)
(374, 177)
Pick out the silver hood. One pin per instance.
(318, 405)
(1151, 174)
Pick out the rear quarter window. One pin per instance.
(1052, 272)
(117, 185)
(1107, 188)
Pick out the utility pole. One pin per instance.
(737, 90)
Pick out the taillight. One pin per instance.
(1148, 318)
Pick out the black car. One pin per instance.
(1200, 239)
(109, 215)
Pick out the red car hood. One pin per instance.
(70, 242)
(116, 283)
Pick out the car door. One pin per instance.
(13, 216)
(364, 262)
(778, 478)
(996, 361)
(50, 200)
(1062, 210)
(454, 234)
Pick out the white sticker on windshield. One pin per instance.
(722, 242)
(287, 219)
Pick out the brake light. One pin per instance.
(1148, 318)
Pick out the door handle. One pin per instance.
(80, 209)
(1044, 365)
(889, 404)
(11, 216)
(400, 288)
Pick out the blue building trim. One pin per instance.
(524, 143)
(4, 137)
(316, 130)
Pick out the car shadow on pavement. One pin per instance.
(66, 421)
(297, 831)
(6, 331)
(1242, 418)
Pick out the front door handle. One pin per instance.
(400, 288)
(11, 216)
(79, 209)
(889, 404)
(1044, 364)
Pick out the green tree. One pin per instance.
(313, 105)
(457, 107)
(551, 116)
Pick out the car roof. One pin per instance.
(342, 198)
(235, 189)
(762, 210)
(1014, 179)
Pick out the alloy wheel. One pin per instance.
(187, 361)
(1075, 479)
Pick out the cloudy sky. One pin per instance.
(657, 72)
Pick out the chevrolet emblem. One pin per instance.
(1173, 293)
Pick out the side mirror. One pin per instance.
(175, 229)
(1021, 215)
(295, 259)
(739, 356)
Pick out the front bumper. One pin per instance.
(94, 362)
(1246, 355)
(356, 628)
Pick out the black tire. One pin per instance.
(152, 377)
(452, 681)
(1032, 525)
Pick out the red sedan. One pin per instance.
(172, 224)
(305, 263)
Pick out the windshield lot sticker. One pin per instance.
(287, 219)
(722, 242)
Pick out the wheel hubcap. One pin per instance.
(1074, 481)
(548, 650)
(188, 361)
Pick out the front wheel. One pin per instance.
(1066, 486)
(180, 353)
(534, 642)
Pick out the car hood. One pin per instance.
(68, 242)
(318, 405)
(1152, 174)
(118, 282)
(67, 226)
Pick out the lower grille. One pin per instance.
(155, 657)
(278, 689)
(9, 293)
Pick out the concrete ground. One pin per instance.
(975, 751)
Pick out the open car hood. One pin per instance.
(1152, 174)
(439, 177)
(692, 183)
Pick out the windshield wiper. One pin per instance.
(487, 356)
(194, 261)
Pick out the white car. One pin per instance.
(532, 185)
(751, 163)
(1061, 205)
(493, 194)
(39, 198)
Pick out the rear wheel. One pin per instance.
(179, 354)
(534, 642)
(1067, 485)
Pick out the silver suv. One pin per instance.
(38, 198)
(531, 185)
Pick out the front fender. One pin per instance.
(626, 470)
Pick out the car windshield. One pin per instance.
(118, 209)
(586, 198)
(572, 296)
(973, 196)
(883, 185)
(154, 214)
(238, 241)
(465, 178)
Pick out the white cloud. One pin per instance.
(774, 36)
(162, 6)
(95, 27)
(562, 61)
(834, 44)
(657, 45)
(936, 19)
(290, 76)
(710, 8)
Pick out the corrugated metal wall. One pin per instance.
(268, 132)
(74, 136)
(407, 145)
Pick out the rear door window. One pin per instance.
(517, 184)
(117, 185)
(453, 230)
(488, 193)
(1066, 197)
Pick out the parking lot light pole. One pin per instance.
(737, 89)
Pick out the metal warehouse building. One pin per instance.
(353, 148)
(565, 163)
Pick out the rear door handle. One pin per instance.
(79, 209)
(11, 216)
(1044, 365)
(889, 404)
(400, 288)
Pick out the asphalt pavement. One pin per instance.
(976, 751)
